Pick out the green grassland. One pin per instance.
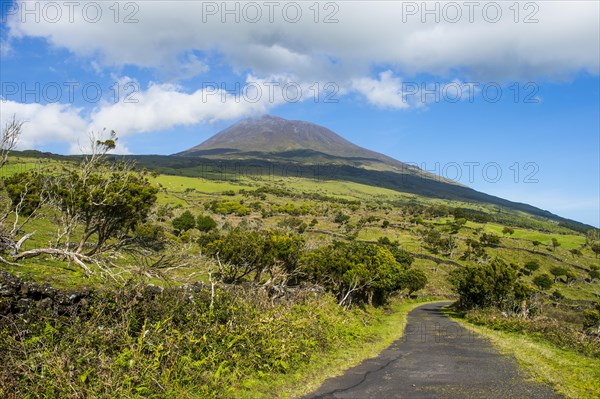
(180, 193)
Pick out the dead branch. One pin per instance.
(6, 262)
(21, 242)
(9, 138)
(73, 256)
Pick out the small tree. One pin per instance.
(184, 222)
(596, 248)
(571, 277)
(489, 240)
(341, 218)
(532, 266)
(558, 271)
(508, 231)
(591, 318)
(535, 243)
(543, 281)
(205, 223)
(414, 280)
(493, 284)
(557, 295)
(555, 244)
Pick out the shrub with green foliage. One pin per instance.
(495, 284)
(341, 218)
(205, 223)
(184, 222)
(413, 280)
(591, 318)
(532, 266)
(358, 272)
(243, 253)
(228, 207)
(489, 240)
(558, 271)
(150, 236)
(543, 281)
(25, 189)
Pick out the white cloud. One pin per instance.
(163, 106)
(171, 38)
(159, 107)
(45, 124)
(383, 92)
(366, 34)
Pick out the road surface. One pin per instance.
(436, 358)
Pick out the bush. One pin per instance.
(557, 295)
(341, 218)
(150, 236)
(413, 280)
(184, 222)
(358, 272)
(205, 223)
(543, 281)
(532, 266)
(228, 207)
(494, 284)
(591, 317)
(245, 254)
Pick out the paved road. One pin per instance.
(436, 358)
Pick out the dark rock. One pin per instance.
(45, 304)
(5, 306)
(23, 305)
(9, 284)
(151, 291)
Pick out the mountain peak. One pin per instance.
(273, 134)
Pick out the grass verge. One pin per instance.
(388, 327)
(569, 373)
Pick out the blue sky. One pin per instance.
(451, 89)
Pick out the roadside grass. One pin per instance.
(387, 327)
(569, 373)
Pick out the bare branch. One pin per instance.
(75, 257)
(2, 260)
(9, 138)
(21, 241)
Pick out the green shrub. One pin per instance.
(493, 284)
(532, 266)
(205, 223)
(184, 222)
(543, 281)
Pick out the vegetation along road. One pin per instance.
(436, 358)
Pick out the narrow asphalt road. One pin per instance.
(436, 358)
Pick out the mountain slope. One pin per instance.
(289, 139)
(275, 145)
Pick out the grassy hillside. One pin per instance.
(210, 345)
(275, 201)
